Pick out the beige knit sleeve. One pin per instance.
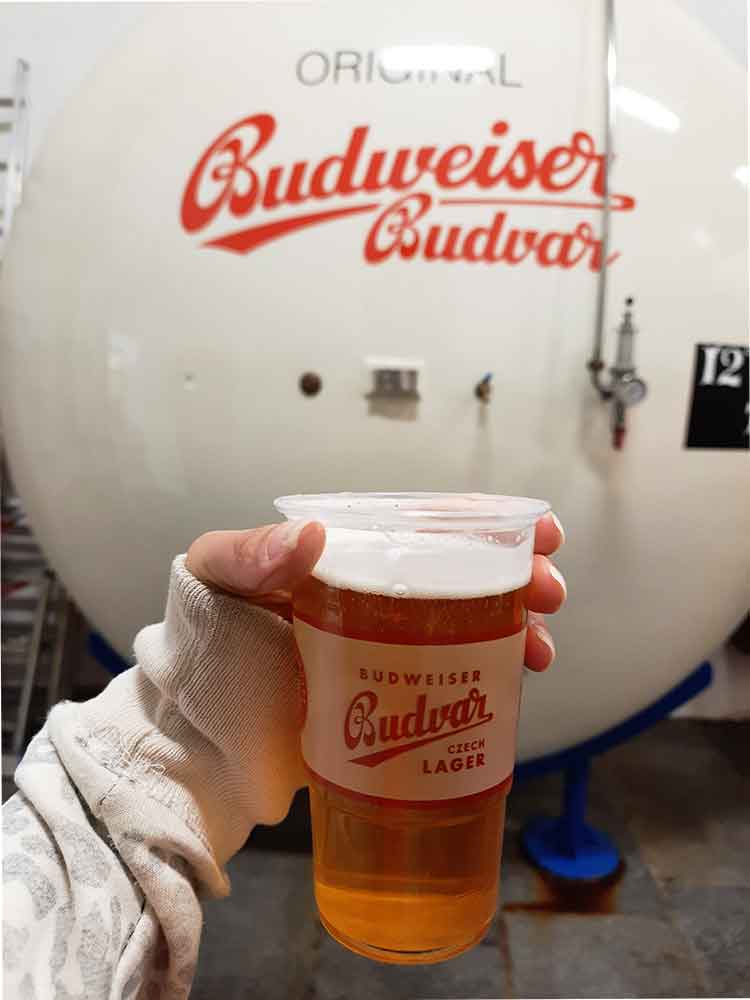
(162, 776)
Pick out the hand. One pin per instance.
(264, 565)
(545, 593)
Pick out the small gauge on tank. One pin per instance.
(629, 390)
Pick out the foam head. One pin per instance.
(422, 545)
(426, 564)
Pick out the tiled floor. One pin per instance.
(677, 802)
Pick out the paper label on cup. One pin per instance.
(410, 723)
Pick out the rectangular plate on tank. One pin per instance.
(394, 378)
(719, 415)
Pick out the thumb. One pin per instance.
(257, 561)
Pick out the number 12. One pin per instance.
(731, 359)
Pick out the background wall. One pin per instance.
(62, 42)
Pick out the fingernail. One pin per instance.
(283, 539)
(556, 522)
(555, 573)
(543, 634)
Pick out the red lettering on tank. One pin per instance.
(233, 181)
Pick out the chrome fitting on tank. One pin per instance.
(625, 388)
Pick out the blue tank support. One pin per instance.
(109, 658)
(566, 846)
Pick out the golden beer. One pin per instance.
(409, 737)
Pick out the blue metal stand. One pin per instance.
(566, 846)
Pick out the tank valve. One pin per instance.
(310, 383)
(625, 389)
(483, 388)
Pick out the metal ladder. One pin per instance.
(14, 130)
(43, 632)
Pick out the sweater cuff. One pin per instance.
(207, 722)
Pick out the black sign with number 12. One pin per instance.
(719, 412)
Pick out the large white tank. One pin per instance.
(154, 330)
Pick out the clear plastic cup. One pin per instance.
(411, 634)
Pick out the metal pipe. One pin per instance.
(575, 795)
(53, 687)
(596, 363)
(624, 356)
(483, 388)
(32, 663)
(619, 425)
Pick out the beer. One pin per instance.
(411, 643)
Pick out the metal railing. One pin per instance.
(14, 133)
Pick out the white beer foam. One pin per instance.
(426, 564)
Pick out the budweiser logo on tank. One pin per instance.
(416, 198)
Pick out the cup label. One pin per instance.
(410, 723)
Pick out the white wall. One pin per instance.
(62, 42)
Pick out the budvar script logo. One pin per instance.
(235, 186)
(424, 725)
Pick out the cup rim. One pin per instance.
(417, 511)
